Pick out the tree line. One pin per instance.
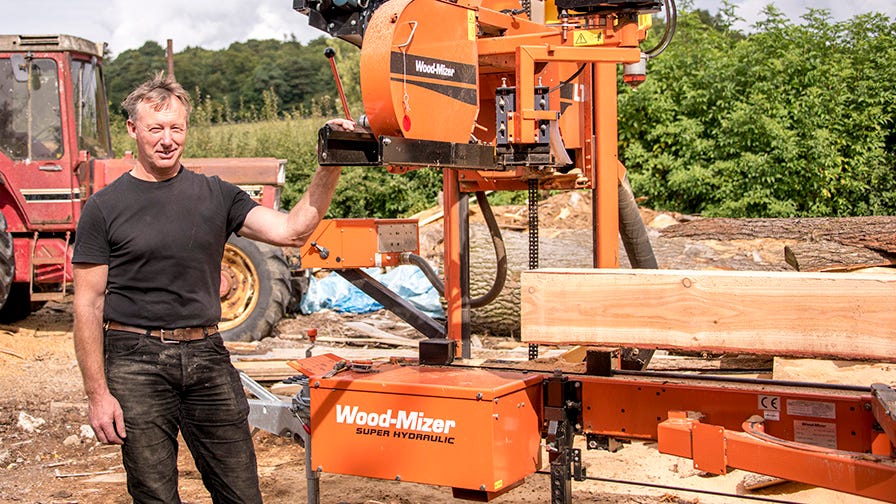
(247, 81)
(790, 119)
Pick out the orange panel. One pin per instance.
(359, 243)
(472, 429)
(633, 409)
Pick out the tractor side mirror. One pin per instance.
(19, 70)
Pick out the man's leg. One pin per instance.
(215, 425)
(138, 372)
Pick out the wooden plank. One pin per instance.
(723, 364)
(376, 333)
(370, 341)
(780, 313)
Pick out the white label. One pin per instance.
(815, 433)
(771, 415)
(816, 409)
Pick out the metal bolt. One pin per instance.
(482, 487)
(397, 477)
(479, 396)
(387, 141)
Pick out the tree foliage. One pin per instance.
(238, 83)
(789, 120)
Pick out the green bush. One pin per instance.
(791, 120)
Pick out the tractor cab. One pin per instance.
(52, 116)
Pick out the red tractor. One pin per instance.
(55, 151)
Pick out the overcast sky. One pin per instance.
(215, 24)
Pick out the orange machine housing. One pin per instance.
(360, 243)
(469, 429)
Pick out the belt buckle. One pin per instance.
(168, 341)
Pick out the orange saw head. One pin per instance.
(489, 85)
(419, 71)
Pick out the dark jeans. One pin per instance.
(191, 387)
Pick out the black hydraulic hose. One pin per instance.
(668, 33)
(500, 255)
(426, 268)
(632, 230)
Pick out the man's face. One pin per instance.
(160, 135)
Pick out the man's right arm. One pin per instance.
(104, 412)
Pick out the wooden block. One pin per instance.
(847, 316)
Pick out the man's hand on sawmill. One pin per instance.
(340, 124)
(106, 418)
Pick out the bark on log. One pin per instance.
(824, 244)
(501, 317)
(827, 255)
(874, 233)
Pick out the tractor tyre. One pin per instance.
(255, 289)
(18, 305)
(7, 265)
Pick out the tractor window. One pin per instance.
(91, 119)
(30, 122)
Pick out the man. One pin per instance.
(147, 265)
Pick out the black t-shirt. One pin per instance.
(163, 242)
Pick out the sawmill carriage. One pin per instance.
(521, 96)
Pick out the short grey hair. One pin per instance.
(157, 92)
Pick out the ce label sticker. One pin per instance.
(769, 403)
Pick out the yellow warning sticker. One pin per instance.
(471, 24)
(588, 38)
(499, 484)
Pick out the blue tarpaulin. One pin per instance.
(336, 293)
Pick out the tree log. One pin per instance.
(824, 244)
(501, 317)
(825, 255)
(874, 233)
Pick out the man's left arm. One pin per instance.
(293, 229)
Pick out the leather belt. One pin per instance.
(179, 334)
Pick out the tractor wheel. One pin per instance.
(255, 289)
(7, 265)
(18, 305)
